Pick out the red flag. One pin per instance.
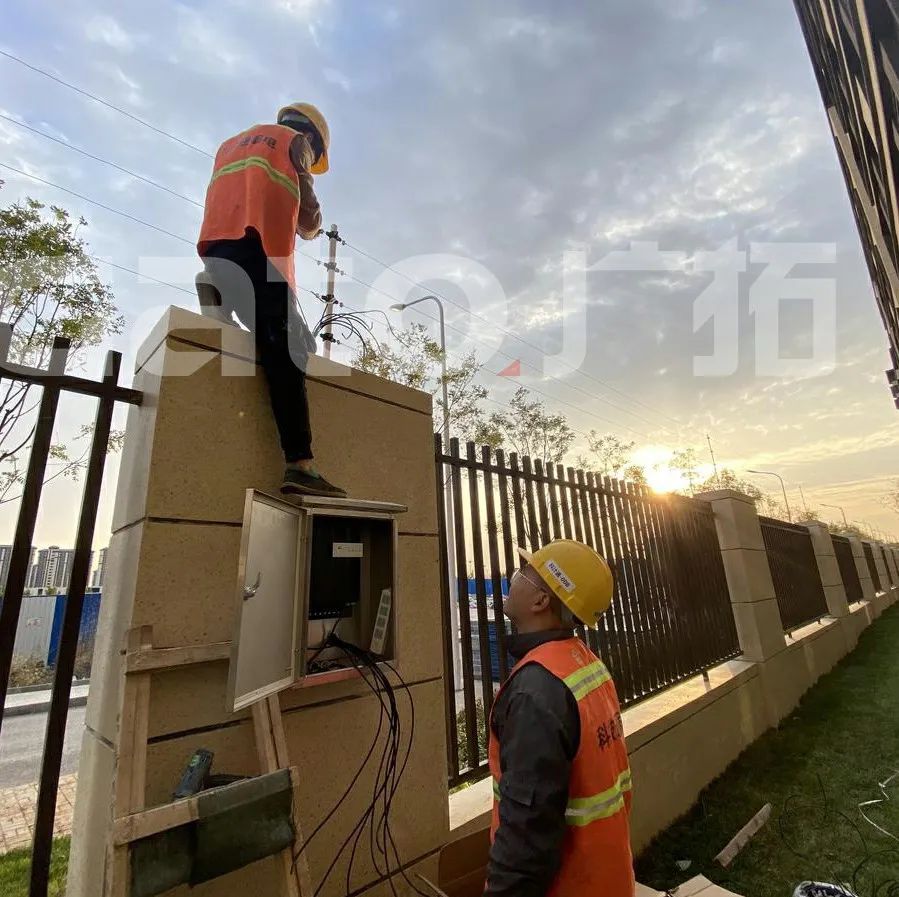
(511, 370)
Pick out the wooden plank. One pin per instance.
(141, 661)
(131, 764)
(131, 769)
(300, 861)
(744, 836)
(277, 730)
(295, 867)
(265, 745)
(151, 822)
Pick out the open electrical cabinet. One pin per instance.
(309, 568)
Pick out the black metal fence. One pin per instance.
(671, 615)
(848, 571)
(53, 382)
(872, 567)
(794, 569)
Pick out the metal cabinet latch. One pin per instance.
(250, 591)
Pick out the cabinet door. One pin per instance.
(262, 651)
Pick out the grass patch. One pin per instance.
(824, 760)
(15, 868)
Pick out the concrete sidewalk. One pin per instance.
(37, 700)
(17, 806)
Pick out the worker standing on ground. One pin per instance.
(259, 197)
(561, 781)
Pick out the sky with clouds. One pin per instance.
(474, 145)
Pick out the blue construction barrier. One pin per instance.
(86, 634)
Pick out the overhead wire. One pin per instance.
(529, 387)
(189, 242)
(108, 162)
(512, 358)
(351, 246)
(507, 332)
(105, 103)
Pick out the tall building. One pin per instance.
(100, 571)
(53, 568)
(854, 46)
(5, 558)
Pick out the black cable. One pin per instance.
(343, 797)
(381, 835)
(360, 825)
(101, 205)
(324, 643)
(108, 162)
(103, 102)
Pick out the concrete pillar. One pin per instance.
(834, 591)
(749, 582)
(880, 565)
(861, 565)
(891, 583)
(204, 435)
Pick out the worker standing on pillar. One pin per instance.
(561, 780)
(259, 197)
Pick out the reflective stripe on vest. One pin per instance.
(258, 161)
(586, 679)
(584, 810)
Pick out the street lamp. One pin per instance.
(401, 306)
(771, 473)
(450, 523)
(836, 508)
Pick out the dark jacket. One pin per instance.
(538, 726)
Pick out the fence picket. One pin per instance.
(667, 619)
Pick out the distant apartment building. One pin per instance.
(52, 568)
(5, 558)
(854, 46)
(100, 570)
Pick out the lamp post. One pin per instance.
(401, 306)
(771, 473)
(450, 522)
(836, 508)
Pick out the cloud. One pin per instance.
(106, 30)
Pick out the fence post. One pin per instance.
(890, 561)
(864, 574)
(882, 574)
(832, 580)
(749, 582)
(826, 556)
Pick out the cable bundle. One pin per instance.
(376, 817)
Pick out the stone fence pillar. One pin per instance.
(861, 565)
(756, 614)
(829, 568)
(202, 437)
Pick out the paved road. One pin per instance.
(22, 743)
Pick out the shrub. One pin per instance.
(28, 671)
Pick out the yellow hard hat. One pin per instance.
(577, 576)
(314, 115)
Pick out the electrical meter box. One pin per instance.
(308, 569)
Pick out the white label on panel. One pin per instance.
(346, 549)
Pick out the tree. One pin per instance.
(612, 454)
(686, 463)
(611, 458)
(415, 361)
(728, 479)
(528, 429)
(891, 500)
(48, 287)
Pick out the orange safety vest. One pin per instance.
(254, 185)
(596, 852)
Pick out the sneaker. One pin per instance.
(304, 482)
(821, 889)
